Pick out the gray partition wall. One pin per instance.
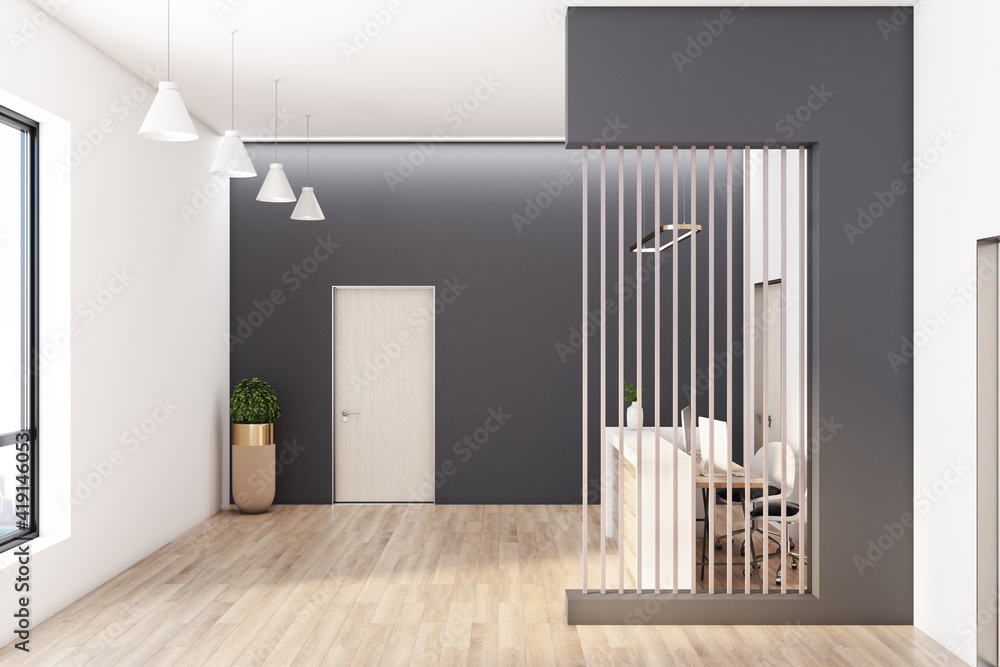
(839, 80)
(495, 228)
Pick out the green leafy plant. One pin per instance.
(254, 402)
(630, 393)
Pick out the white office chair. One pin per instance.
(786, 482)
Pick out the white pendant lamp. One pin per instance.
(167, 118)
(276, 188)
(233, 160)
(307, 207)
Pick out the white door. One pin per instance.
(771, 422)
(383, 367)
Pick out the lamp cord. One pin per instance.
(276, 119)
(168, 40)
(232, 82)
(307, 148)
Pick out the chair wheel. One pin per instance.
(795, 564)
(791, 544)
(718, 545)
(777, 579)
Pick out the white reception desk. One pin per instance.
(685, 516)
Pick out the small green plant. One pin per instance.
(630, 393)
(254, 402)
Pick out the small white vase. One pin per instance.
(633, 416)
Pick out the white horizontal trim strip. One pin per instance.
(407, 140)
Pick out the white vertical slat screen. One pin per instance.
(584, 320)
(748, 347)
(604, 361)
(729, 368)
(703, 453)
(803, 389)
(692, 430)
(656, 370)
(621, 369)
(783, 366)
(675, 392)
(638, 373)
(710, 506)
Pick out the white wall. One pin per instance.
(957, 58)
(147, 289)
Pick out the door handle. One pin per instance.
(345, 413)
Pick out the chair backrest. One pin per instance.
(686, 436)
(786, 480)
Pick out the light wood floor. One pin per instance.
(399, 585)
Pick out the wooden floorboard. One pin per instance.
(408, 585)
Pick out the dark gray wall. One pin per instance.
(509, 341)
(764, 64)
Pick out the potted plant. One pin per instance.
(633, 416)
(253, 410)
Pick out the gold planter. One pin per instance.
(253, 467)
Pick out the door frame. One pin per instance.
(333, 382)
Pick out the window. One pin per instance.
(18, 329)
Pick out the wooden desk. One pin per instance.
(703, 482)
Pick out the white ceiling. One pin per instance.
(429, 56)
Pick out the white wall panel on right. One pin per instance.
(954, 181)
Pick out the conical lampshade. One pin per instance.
(276, 188)
(233, 160)
(307, 207)
(167, 118)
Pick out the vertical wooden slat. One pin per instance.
(783, 382)
(675, 415)
(621, 369)
(694, 370)
(656, 373)
(604, 367)
(710, 514)
(748, 350)
(638, 368)
(766, 306)
(729, 369)
(583, 329)
(803, 391)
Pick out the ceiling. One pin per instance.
(449, 68)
